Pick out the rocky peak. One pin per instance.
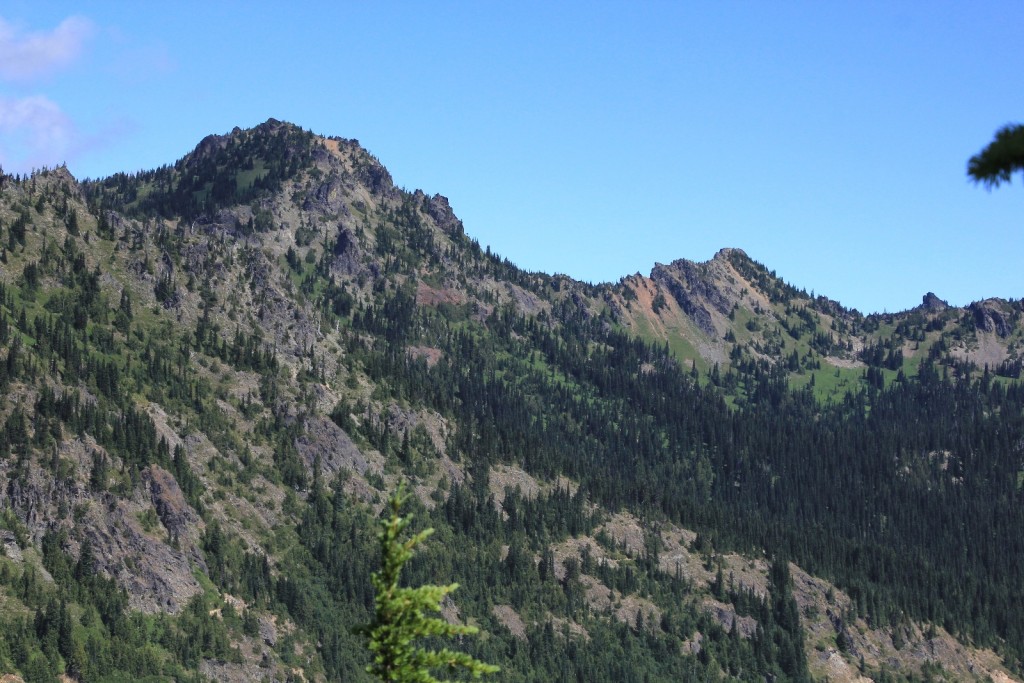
(441, 211)
(261, 138)
(730, 253)
(209, 146)
(932, 303)
(58, 178)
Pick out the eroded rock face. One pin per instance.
(693, 291)
(157, 576)
(9, 546)
(988, 318)
(326, 439)
(348, 255)
(176, 515)
(726, 617)
(328, 198)
(30, 501)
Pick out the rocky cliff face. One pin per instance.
(695, 290)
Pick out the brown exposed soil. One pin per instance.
(430, 296)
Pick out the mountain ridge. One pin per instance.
(379, 178)
(214, 370)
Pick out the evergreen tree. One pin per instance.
(1003, 157)
(400, 613)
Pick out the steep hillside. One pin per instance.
(213, 373)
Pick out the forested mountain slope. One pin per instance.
(213, 373)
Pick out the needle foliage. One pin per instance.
(402, 614)
(1003, 157)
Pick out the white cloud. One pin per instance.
(35, 132)
(28, 56)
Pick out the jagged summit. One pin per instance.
(727, 253)
(930, 302)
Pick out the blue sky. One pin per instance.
(827, 139)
